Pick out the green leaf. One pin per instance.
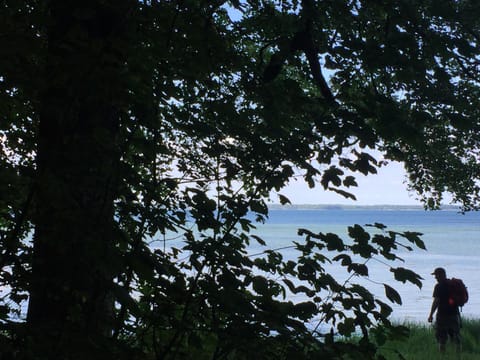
(363, 164)
(378, 226)
(260, 285)
(259, 240)
(392, 294)
(385, 309)
(259, 207)
(289, 284)
(298, 289)
(358, 233)
(350, 181)
(360, 269)
(334, 242)
(365, 295)
(404, 275)
(304, 310)
(283, 199)
(344, 258)
(245, 224)
(414, 237)
(332, 175)
(344, 193)
(124, 298)
(346, 327)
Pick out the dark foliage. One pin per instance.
(126, 125)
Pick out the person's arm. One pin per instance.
(433, 309)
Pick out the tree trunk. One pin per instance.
(74, 252)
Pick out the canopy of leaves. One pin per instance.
(220, 104)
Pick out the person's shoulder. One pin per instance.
(440, 288)
(443, 284)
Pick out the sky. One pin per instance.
(387, 187)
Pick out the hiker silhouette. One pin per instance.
(447, 321)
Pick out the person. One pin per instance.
(447, 322)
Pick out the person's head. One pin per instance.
(439, 274)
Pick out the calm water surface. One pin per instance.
(452, 240)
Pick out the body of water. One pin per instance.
(452, 240)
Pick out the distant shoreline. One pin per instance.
(356, 207)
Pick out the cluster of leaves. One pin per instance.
(217, 106)
(211, 299)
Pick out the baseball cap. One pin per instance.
(439, 270)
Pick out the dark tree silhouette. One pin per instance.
(125, 122)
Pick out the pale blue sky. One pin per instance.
(387, 187)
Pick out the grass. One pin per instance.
(421, 344)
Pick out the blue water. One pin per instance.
(360, 216)
(452, 240)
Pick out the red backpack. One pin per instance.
(458, 294)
